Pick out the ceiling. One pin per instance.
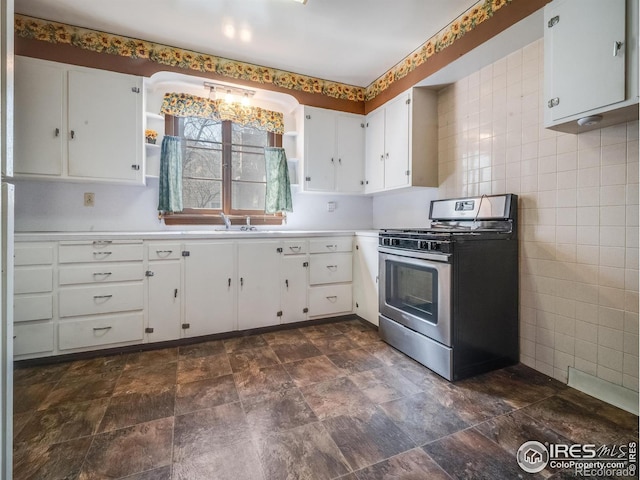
(347, 41)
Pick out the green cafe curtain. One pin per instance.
(185, 105)
(170, 195)
(278, 196)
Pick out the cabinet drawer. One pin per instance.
(92, 332)
(164, 251)
(113, 272)
(329, 300)
(331, 244)
(334, 268)
(294, 247)
(32, 307)
(33, 254)
(36, 338)
(99, 252)
(33, 280)
(100, 299)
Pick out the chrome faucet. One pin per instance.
(227, 222)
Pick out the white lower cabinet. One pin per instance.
(365, 278)
(78, 296)
(209, 288)
(259, 290)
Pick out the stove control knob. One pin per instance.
(435, 246)
(423, 245)
(386, 241)
(395, 241)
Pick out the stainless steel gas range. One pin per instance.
(449, 293)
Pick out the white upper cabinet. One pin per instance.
(402, 142)
(76, 123)
(591, 62)
(333, 150)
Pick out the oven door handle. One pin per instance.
(436, 257)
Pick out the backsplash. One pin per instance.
(578, 215)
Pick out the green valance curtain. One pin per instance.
(170, 183)
(185, 105)
(278, 196)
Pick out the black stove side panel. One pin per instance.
(485, 306)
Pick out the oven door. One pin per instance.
(415, 291)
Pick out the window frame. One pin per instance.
(211, 216)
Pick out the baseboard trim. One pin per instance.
(606, 391)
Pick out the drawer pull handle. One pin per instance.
(102, 253)
(332, 298)
(167, 252)
(98, 297)
(332, 268)
(102, 274)
(332, 247)
(295, 249)
(100, 329)
(102, 242)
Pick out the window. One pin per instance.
(223, 171)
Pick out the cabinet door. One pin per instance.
(396, 161)
(365, 278)
(374, 152)
(105, 126)
(319, 149)
(38, 117)
(209, 288)
(586, 68)
(259, 290)
(350, 151)
(164, 301)
(293, 284)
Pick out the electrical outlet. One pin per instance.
(331, 206)
(89, 199)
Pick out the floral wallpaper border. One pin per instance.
(101, 42)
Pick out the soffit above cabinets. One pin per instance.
(351, 42)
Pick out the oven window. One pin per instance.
(412, 289)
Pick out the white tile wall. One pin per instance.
(578, 215)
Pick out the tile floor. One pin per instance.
(320, 402)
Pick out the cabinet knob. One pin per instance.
(57, 132)
(73, 134)
(616, 48)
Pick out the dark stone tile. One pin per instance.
(151, 358)
(106, 366)
(204, 349)
(162, 473)
(354, 361)
(194, 369)
(581, 424)
(50, 462)
(151, 379)
(312, 370)
(254, 358)
(383, 385)
(39, 374)
(319, 331)
(285, 337)
(334, 344)
(386, 353)
(19, 421)
(423, 418)
(412, 465)
(207, 393)
(80, 389)
(335, 397)
(418, 374)
(471, 401)
(263, 380)
(134, 408)
(625, 420)
(306, 452)
(243, 343)
(471, 455)
(363, 337)
(354, 325)
(227, 462)
(66, 422)
(204, 431)
(276, 412)
(291, 353)
(30, 397)
(128, 451)
(367, 436)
